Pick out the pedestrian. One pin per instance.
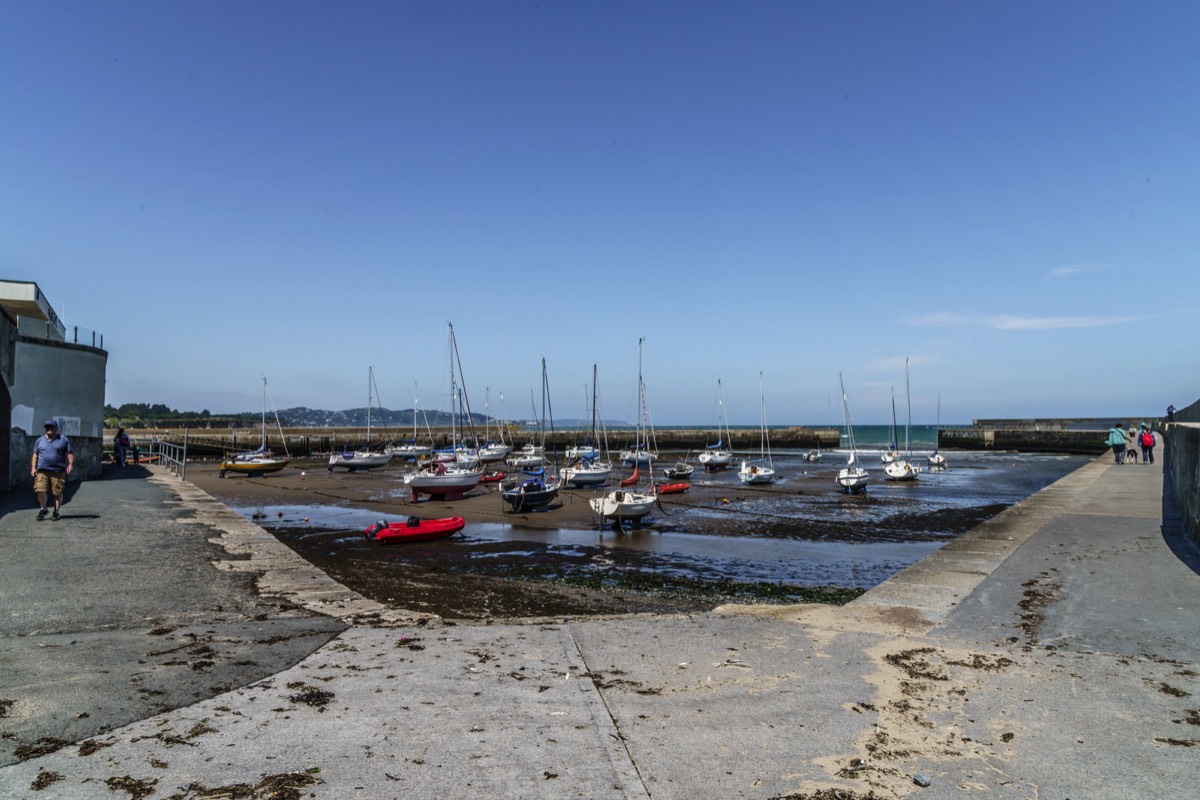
(1146, 440)
(49, 467)
(1116, 440)
(1171, 413)
(120, 447)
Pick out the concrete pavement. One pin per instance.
(157, 645)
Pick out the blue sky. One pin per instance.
(1005, 193)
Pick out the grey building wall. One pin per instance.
(8, 348)
(63, 381)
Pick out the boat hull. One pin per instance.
(358, 460)
(753, 474)
(715, 459)
(623, 505)
(900, 470)
(446, 484)
(583, 476)
(531, 495)
(253, 467)
(672, 488)
(853, 479)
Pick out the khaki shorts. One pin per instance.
(53, 482)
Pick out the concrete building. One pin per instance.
(50, 371)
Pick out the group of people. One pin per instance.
(1125, 443)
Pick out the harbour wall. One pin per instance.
(311, 441)
(1183, 459)
(1078, 436)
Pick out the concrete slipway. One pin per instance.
(155, 644)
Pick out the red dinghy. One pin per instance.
(493, 476)
(415, 529)
(672, 488)
(632, 479)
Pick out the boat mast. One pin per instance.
(264, 415)
(846, 415)
(370, 399)
(907, 412)
(641, 415)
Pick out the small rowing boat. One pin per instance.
(673, 488)
(414, 529)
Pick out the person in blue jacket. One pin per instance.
(1116, 440)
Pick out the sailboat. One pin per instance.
(257, 463)
(629, 502)
(437, 479)
(763, 472)
(936, 459)
(591, 471)
(720, 455)
(853, 477)
(493, 451)
(541, 490)
(645, 450)
(890, 455)
(902, 469)
(815, 455)
(366, 458)
(412, 450)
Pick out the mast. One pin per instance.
(370, 399)
(907, 412)
(264, 415)
(595, 441)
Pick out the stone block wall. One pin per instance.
(1183, 446)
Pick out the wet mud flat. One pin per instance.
(799, 540)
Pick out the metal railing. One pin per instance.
(172, 456)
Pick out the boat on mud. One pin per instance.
(414, 529)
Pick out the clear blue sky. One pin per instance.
(1007, 193)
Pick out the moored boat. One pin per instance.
(764, 472)
(414, 529)
(256, 463)
(629, 504)
(853, 477)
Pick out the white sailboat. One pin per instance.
(853, 477)
(493, 451)
(439, 479)
(591, 471)
(354, 460)
(719, 455)
(813, 456)
(762, 471)
(936, 459)
(412, 450)
(630, 502)
(902, 469)
(890, 455)
(257, 463)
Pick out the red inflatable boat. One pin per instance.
(414, 529)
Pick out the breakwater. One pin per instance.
(315, 441)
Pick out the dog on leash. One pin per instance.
(1131, 454)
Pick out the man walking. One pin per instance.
(49, 467)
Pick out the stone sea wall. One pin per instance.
(1183, 449)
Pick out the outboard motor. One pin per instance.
(372, 531)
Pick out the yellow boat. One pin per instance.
(257, 462)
